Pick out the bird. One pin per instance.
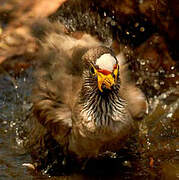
(82, 95)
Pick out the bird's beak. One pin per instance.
(108, 80)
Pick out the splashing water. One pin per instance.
(157, 142)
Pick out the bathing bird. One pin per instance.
(82, 96)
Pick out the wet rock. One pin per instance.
(124, 7)
(154, 65)
(164, 14)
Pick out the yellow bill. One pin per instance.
(105, 77)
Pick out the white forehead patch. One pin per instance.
(106, 61)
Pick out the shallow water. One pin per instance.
(152, 154)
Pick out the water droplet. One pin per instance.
(156, 86)
(142, 62)
(164, 106)
(113, 23)
(63, 162)
(147, 61)
(169, 115)
(19, 141)
(164, 96)
(136, 24)
(162, 82)
(172, 75)
(161, 70)
(127, 163)
(148, 143)
(12, 124)
(140, 80)
(29, 165)
(4, 122)
(142, 29)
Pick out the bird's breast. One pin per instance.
(88, 136)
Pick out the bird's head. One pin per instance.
(102, 67)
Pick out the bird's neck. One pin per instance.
(102, 107)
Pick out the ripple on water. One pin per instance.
(12, 113)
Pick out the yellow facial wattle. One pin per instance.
(108, 79)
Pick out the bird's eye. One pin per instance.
(92, 71)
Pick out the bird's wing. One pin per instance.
(136, 100)
(58, 77)
(51, 94)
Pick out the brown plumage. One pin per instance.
(68, 104)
